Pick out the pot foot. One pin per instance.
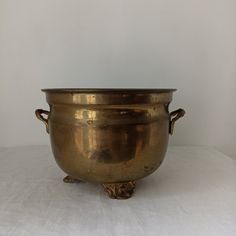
(69, 179)
(123, 190)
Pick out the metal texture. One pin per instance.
(109, 135)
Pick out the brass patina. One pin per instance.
(109, 136)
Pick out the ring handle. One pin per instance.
(39, 115)
(174, 116)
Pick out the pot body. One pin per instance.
(108, 136)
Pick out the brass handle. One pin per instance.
(39, 115)
(174, 116)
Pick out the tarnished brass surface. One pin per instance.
(109, 135)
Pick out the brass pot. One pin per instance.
(109, 136)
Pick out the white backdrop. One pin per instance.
(186, 44)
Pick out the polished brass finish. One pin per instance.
(123, 190)
(176, 114)
(109, 136)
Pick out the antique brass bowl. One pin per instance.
(109, 136)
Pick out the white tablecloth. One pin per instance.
(193, 193)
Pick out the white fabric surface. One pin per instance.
(193, 193)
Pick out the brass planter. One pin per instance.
(109, 136)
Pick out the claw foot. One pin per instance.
(69, 179)
(123, 190)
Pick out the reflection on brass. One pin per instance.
(120, 190)
(109, 136)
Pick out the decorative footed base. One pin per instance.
(123, 190)
(71, 180)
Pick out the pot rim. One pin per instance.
(108, 90)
